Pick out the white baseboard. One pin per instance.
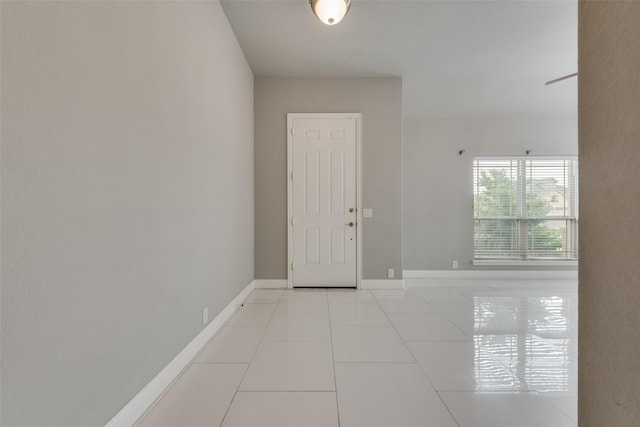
(271, 283)
(491, 274)
(137, 406)
(382, 284)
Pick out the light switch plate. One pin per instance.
(367, 213)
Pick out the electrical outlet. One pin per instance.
(455, 264)
(205, 316)
(390, 273)
(367, 213)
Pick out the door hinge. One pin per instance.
(292, 131)
(291, 176)
(292, 266)
(292, 221)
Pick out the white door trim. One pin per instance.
(358, 119)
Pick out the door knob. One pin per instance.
(351, 224)
(351, 210)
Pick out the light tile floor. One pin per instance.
(442, 353)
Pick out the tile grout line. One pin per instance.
(445, 317)
(192, 362)
(333, 359)
(396, 331)
(424, 375)
(235, 394)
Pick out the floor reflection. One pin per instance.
(534, 336)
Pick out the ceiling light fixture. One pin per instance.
(330, 12)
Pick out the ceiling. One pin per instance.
(458, 59)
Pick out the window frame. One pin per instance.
(522, 254)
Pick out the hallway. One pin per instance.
(467, 353)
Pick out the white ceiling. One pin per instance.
(457, 58)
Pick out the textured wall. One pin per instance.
(127, 197)
(609, 135)
(380, 102)
(437, 212)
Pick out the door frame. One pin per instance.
(358, 165)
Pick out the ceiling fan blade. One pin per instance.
(559, 79)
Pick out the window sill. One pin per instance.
(525, 263)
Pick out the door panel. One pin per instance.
(323, 202)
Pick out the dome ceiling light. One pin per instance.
(330, 12)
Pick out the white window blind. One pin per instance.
(525, 208)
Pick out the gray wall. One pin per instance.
(380, 102)
(127, 197)
(609, 117)
(438, 183)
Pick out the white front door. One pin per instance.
(322, 200)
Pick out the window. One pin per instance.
(525, 208)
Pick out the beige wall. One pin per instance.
(380, 102)
(609, 135)
(127, 197)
